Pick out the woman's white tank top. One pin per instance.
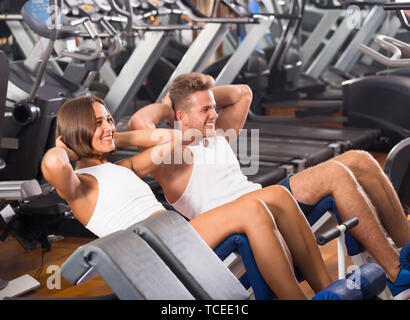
(123, 199)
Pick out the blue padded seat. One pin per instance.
(252, 277)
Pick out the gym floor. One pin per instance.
(15, 261)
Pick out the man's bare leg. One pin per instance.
(380, 192)
(334, 178)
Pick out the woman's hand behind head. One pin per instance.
(70, 153)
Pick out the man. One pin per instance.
(354, 179)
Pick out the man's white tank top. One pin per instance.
(216, 178)
(123, 199)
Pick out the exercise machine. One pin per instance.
(153, 41)
(197, 269)
(397, 168)
(381, 102)
(11, 191)
(30, 130)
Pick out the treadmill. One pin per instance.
(346, 138)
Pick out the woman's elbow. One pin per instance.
(51, 164)
(48, 165)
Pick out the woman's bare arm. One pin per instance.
(158, 144)
(144, 138)
(58, 171)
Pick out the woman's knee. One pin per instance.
(280, 198)
(255, 212)
(279, 194)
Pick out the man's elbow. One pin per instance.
(137, 122)
(246, 92)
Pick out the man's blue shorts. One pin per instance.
(306, 208)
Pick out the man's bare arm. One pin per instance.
(235, 101)
(152, 114)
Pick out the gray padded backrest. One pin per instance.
(189, 257)
(128, 265)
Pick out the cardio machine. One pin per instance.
(37, 92)
(382, 101)
(29, 129)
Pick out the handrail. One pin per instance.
(397, 6)
(348, 3)
(94, 35)
(391, 45)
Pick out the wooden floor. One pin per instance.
(15, 261)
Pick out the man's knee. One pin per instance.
(338, 175)
(360, 161)
(322, 177)
(359, 155)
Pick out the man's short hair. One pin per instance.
(187, 84)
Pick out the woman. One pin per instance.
(107, 197)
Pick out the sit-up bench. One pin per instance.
(163, 257)
(128, 265)
(134, 270)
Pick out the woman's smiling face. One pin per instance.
(103, 138)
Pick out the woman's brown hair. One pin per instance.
(76, 124)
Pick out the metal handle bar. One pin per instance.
(382, 40)
(188, 12)
(360, 4)
(397, 6)
(147, 27)
(392, 45)
(337, 231)
(11, 17)
(154, 13)
(128, 14)
(94, 35)
(385, 44)
(117, 47)
(117, 9)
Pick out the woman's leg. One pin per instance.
(252, 217)
(295, 229)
